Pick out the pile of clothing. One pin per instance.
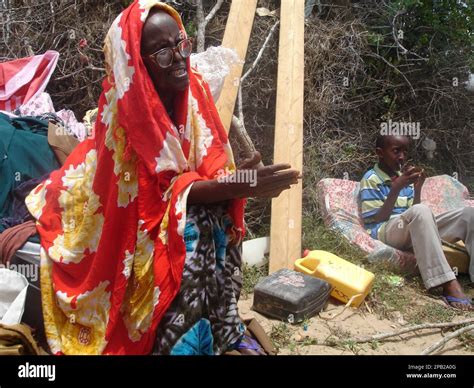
(34, 140)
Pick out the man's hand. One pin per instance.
(420, 181)
(418, 185)
(410, 175)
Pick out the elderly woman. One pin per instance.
(140, 239)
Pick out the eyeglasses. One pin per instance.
(164, 57)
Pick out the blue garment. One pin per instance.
(203, 318)
(196, 341)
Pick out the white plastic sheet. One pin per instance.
(214, 64)
(13, 287)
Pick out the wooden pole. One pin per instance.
(285, 231)
(236, 36)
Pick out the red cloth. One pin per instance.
(112, 219)
(22, 79)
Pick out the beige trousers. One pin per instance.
(419, 229)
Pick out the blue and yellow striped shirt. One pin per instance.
(374, 189)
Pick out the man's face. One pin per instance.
(394, 152)
(161, 31)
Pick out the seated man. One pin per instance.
(390, 203)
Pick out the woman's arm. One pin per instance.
(269, 182)
(210, 191)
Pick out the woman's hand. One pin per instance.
(252, 179)
(268, 181)
(254, 161)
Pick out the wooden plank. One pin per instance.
(236, 36)
(285, 231)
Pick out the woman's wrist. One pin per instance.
(212, 191)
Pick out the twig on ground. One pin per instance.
(446, 339)
(383, 336)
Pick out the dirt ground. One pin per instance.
(311, 337)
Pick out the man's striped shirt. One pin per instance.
(374, 189)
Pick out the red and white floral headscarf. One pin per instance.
(111, 220)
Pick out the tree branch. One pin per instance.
(202, 22)
(201, 27)
(242, 137)
(383, 336)
(213, 11)
(238, 122)
(396, 69)
(239, 104)
(260, 53)
(397, 41)
(100, 69)
(446, 339)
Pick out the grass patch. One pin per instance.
(281, 336)
(316, 236)
(467, 340)
(374, 345)
(353, 346)
(431, 313)
(341, 339)
(308, 341)
(386, 298)
(251, 276)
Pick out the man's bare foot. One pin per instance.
(454, 296)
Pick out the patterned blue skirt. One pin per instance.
(203, 318)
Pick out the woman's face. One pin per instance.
(161, 31)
